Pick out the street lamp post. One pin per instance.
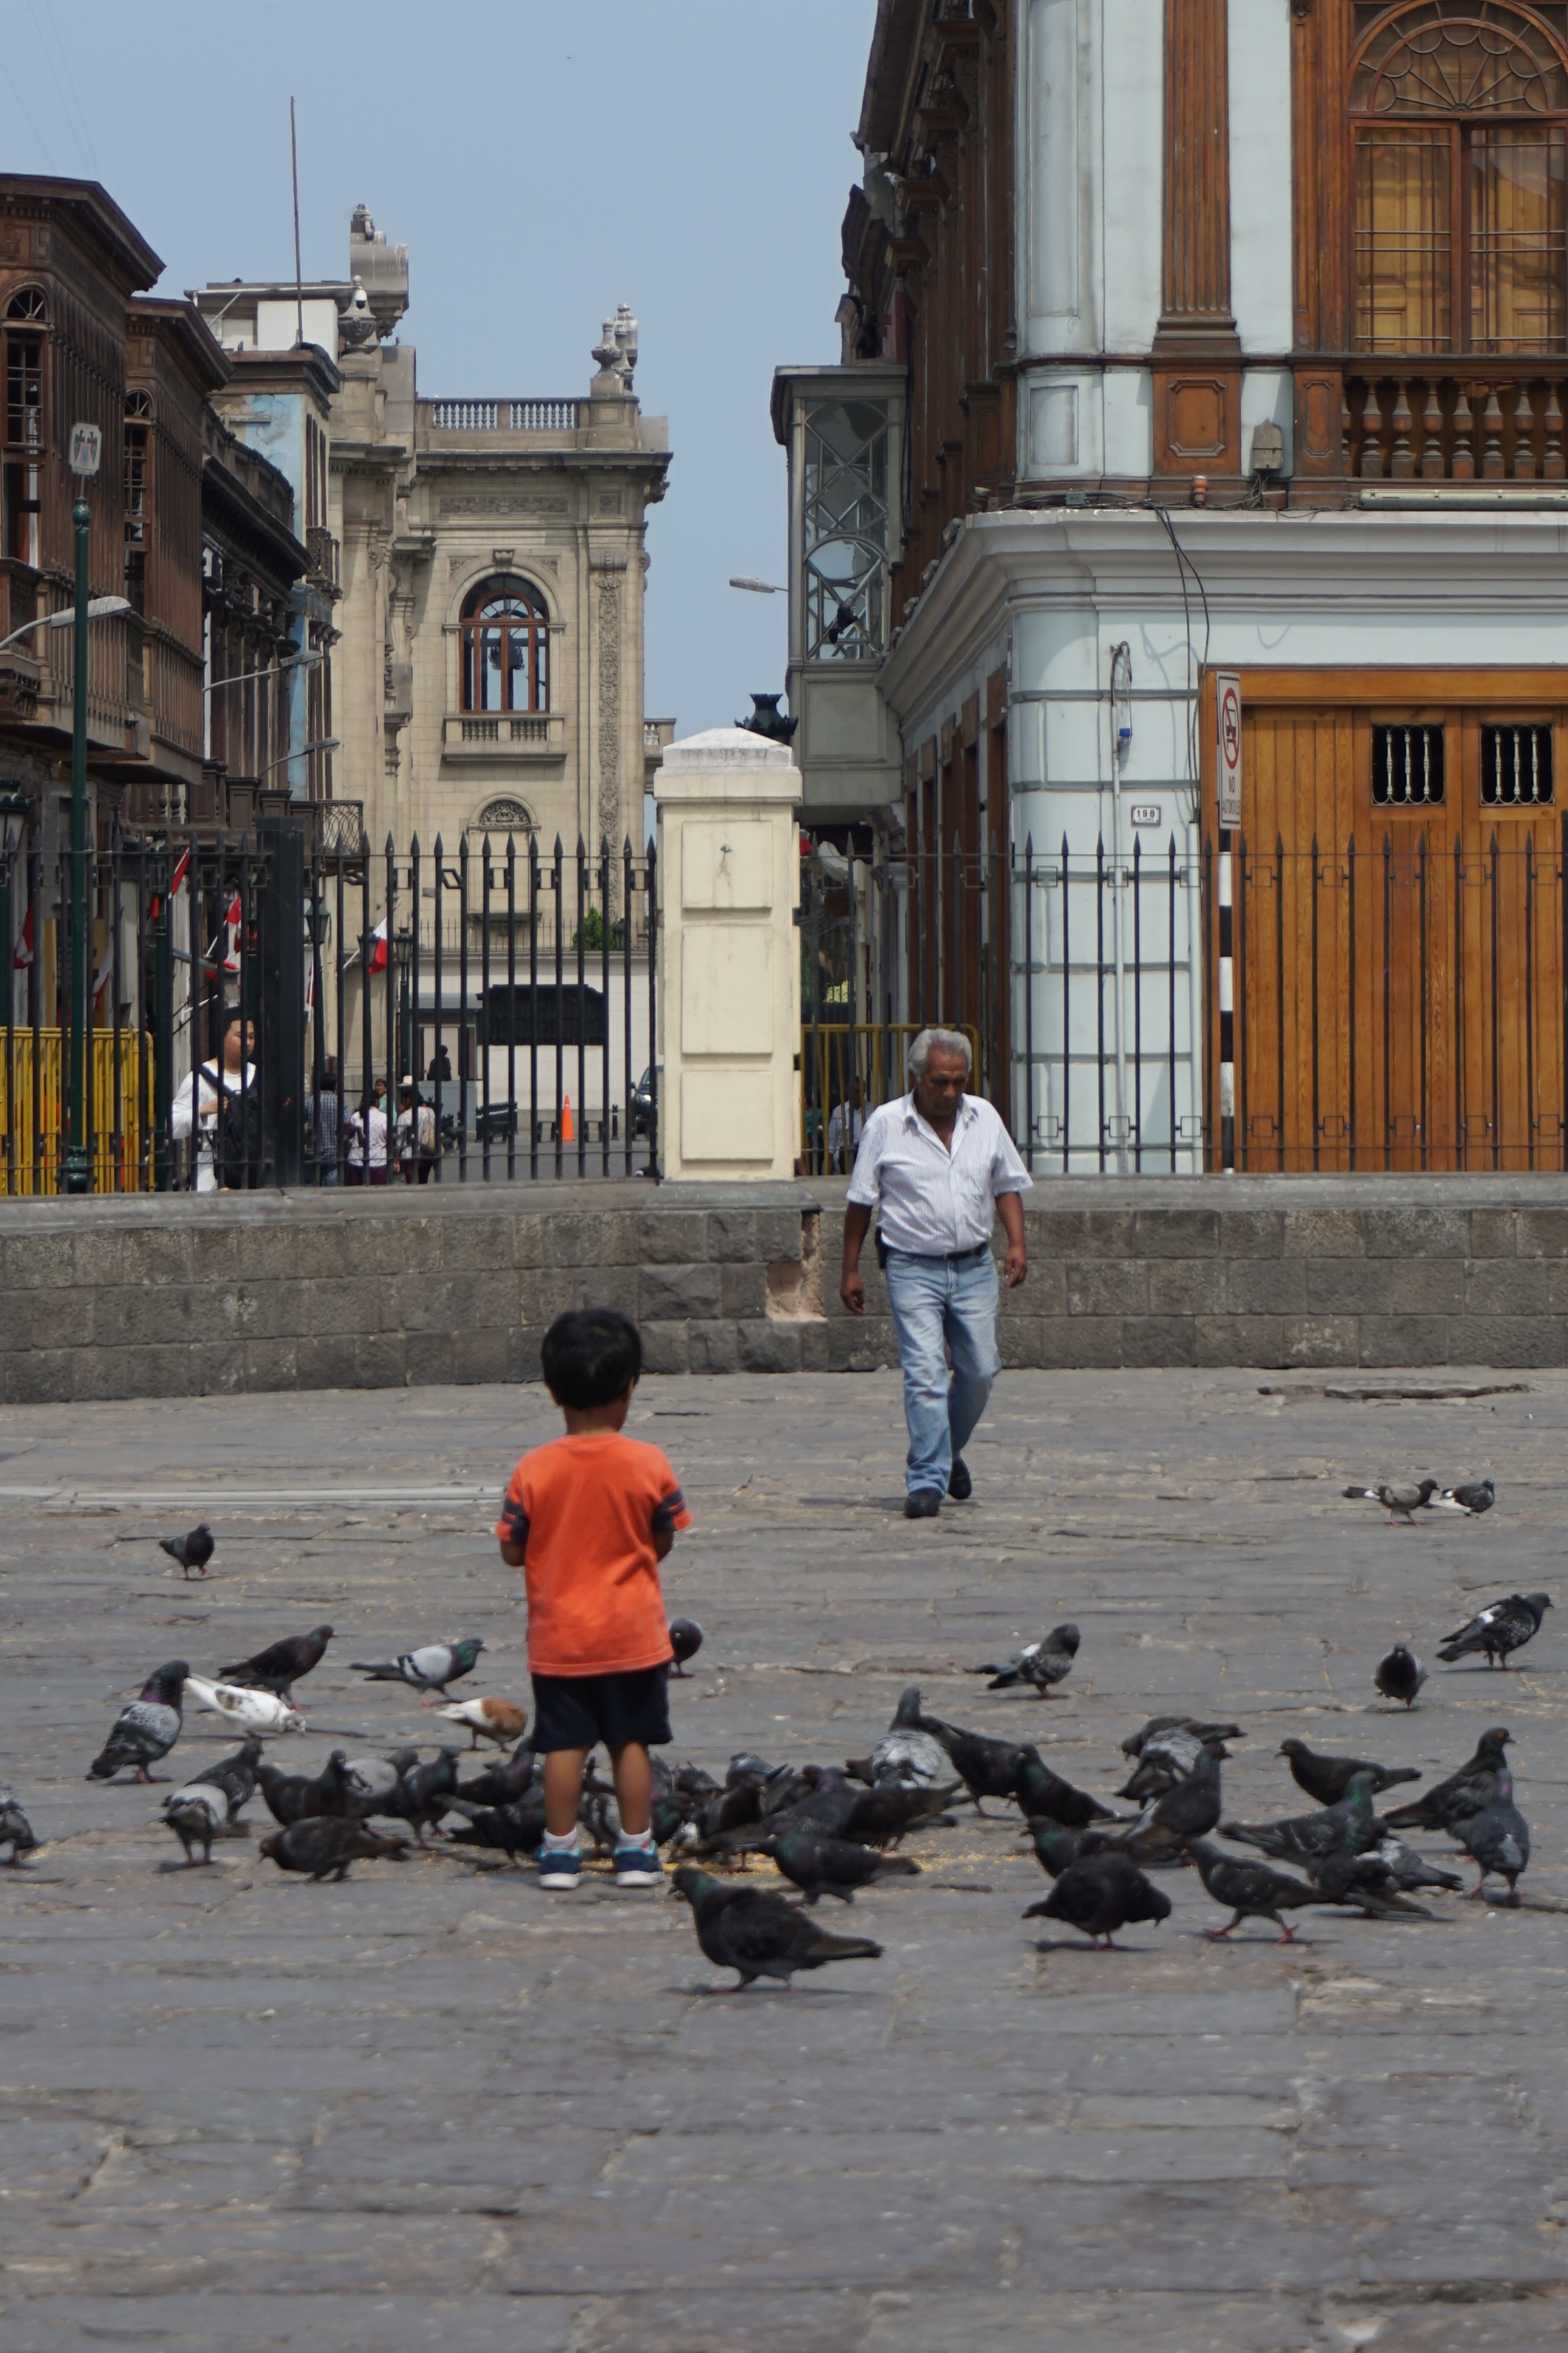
(86, 448)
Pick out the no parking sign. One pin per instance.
(1227, 694)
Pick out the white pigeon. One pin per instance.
(252, 1711)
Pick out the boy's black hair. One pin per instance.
(591, 1357)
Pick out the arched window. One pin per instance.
(23, 335)
(137, 453)
(1459, 130)
(506, 647)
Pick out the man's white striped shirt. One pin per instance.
(930, 1200)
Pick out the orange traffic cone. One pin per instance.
(568, 1132)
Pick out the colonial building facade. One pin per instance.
(1228, 342)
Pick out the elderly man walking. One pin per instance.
(940, 1167)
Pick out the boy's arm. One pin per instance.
(668, 1515)
(515, 1555)
(512, 1529)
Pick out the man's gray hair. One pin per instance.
(937, 1042)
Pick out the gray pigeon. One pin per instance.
(1498, 1839)
(431, 1669)
(1157, 1726)
(1189, 1810)
(196, 1814)
(1411, 1870)
(685, 1640)
(1100, 1893)
(905, 1754)
(1349, 1826)
(1479, 1496)
(1464, 1793)
(1253, 1890)
(1040, 1664)
(192, 1551)
(1328, 1777)
(819, 1866)
(15, 1829)
(1501, 1626)
(1400, 1675)
(758, 1934)
(324, 1846)
(146, 1728)
(235, 1775)
(1399, 1503)
(1163, 1761)
(1365, 1880)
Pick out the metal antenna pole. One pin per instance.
(299, 281)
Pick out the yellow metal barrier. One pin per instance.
(832, 1055)
(30, 1144)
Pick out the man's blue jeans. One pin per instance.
(935, 1302)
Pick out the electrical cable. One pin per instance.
(1184, 566)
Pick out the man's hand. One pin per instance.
(851, 1289)
(1016, 1265)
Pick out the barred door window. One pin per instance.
(1407, 768)
(1459, 130)
(1516, 767)
(506, 647)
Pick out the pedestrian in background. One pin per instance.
(939, 1167)
(323, 1136)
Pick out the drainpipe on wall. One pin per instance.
(1121, 740)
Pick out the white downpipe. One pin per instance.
(1121, 734)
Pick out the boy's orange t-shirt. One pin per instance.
(585, 1511)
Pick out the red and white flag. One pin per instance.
(232, 924)
(22, 953)
(101, 976)
(378, 948)
(181, 869)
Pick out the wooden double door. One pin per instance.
(1398, 924)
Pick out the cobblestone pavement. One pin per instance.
(434, 2107)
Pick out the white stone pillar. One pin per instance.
(729, 1004)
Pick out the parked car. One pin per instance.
(642, 1102)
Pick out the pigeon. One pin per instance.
(500, 1720)
(373, 1778)
(1503, 1627)
(1039, 1664)
(248, 1710)
(1100, 1893)
(1399, 1503)
(192, 1551)
(1044, 1794)
(1472, 1499)
(1328, 1777)
(1188, 1809)
(1464, 1793)
(235, 1776)
(1365, 1881)
(280, 1666)
(685, 1640)
(759, 1934)
(1056, 1846)
(835, 1866)
(886, 1813)
(1400, 1675)
(501, 1784)
(324, 1846)
(196, 1814)
(905, 1753)
(425, 1792)
(1164, 1761)
(988, 1768)
(1253, 1890)
(295, 1797)
(826, 1811)
(1411, 1870)
(146, 1728)
(515, 1831)
(1350, 1824)
(431, 1669)
(15, 1829)
(1158, 1726)
(1498, 1839)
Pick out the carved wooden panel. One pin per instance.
(1319, 399)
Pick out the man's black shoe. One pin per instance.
(960, 1485)
(923, 1504)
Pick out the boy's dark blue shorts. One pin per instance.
(581, 1711)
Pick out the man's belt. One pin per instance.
(944, 1257)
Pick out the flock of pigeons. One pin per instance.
(834, 1829)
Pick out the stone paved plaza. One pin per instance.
(434, 2107)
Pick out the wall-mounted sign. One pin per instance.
(1146, 812)
(1228, 699)
(86, 448)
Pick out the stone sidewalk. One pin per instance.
(434, 2108)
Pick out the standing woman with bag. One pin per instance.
(225, 1091)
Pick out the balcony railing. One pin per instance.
(519, 735)
(502, 415)
(1503, 422)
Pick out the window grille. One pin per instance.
(1407, 768)
(1516, 767)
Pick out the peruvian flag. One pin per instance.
(378, 949)
(179, 873)
(101, 976)
(232, 923)
(22, 953)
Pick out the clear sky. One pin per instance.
(543, 160)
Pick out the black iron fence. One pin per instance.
(262, 1015)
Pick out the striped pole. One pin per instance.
(1227, 1013)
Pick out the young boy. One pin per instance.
(588, 1518)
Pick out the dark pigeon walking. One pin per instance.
(1100, 1893)
(324, 1846)
(1364, 1882)
(1328, 1777)
(1400, 1675)
(235, 1776)
(431, 1669)
(1252, 1891)
(1044, 1795)
(1411, 1870)
(15, 1829)
(1498, 1839)
(905, 1753)
(1501, 1627)
(297, 1797)
(1399, 1503)
(1474, 1499)
(192, 1551)
(515, 1830)
(503, 1782)
(1188, 1809)
(1041, 1664)
(1464, 1793)
(988, 1768)
(685, 1640)
(759, 1934)
(1351, 1825)
(280, 1666)
(425, 1793)
(1056, 1846)
(146, 1728)
(882, 1816)
(835, 1866)
(196, 1814)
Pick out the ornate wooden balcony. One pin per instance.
(1489, 421)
